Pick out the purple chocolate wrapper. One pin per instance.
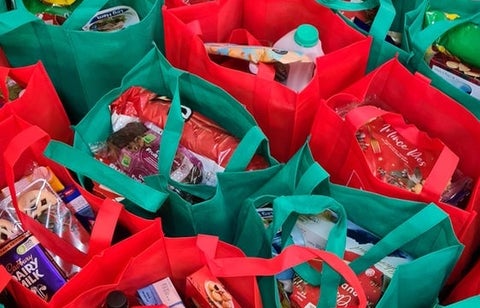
(31, 265)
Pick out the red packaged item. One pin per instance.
(398, 154)
(205, 290)
(200, 135)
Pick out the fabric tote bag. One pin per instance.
(392, 87)
(315, 193)
(283, 114)
(379, 19)
(37, 102)
(75, 246)
(83, 65)
(461, 85)
(178, 258)
(209, 211)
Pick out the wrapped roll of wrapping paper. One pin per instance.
(462, 41)
(200, 135)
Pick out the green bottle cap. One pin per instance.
(306, 35)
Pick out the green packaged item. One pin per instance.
(421, 39)
(463, 41)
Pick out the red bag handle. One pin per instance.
(291, 256)
(108, 214)
(444, 167)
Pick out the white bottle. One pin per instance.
(304, 39)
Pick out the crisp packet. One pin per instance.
(28, 262)
(112, 19)
(256, 54)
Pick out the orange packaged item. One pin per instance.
(200, 134)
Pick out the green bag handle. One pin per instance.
(418, 224)
(349, 6)
(252, 140)
(239, 160)
(11, 20)
(425, 38)
(383, 19)
(286, 211)
(79, 162)
(313, 177)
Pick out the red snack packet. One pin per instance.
(200, 134)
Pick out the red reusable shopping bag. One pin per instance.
(177, 258)
(101, 269)
(392, 87)
(27, 145)
(38, 104)
(467, 287)
(283, 114)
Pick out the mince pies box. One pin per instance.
(205, 290)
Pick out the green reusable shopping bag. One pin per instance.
(83, 65)
(389, 17)
(422, 230)
(294, 178)
(179, 217)
(422, 38)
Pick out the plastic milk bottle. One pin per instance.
(304, 39)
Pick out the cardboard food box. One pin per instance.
(205, 290)
(462, 76)
(161, 292)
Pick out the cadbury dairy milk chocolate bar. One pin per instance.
(30, 264)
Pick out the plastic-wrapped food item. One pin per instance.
(52, 11)
(134, 151)
(459, 190)
(200, 135)
(397, 159)
(39, 201)
(12, 89)
(463, 41)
